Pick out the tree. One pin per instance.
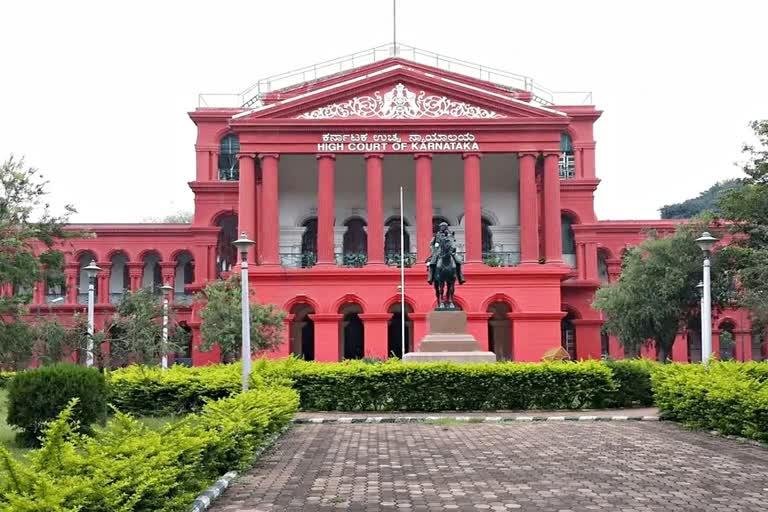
(16, 342)
(25, 222)
(179, 217)
(222, 320)
(706, 202)
(656, 295)
(746, 210)
(54, 342)
(136, 330)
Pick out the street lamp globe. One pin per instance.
(243, 244)
(706, 241)
(166, 289)
(700, 288)
(92, 269)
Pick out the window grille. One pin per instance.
(229, 166)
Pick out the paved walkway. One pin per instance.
(531, 466)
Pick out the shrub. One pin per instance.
(178, 390)
(128, 467)
(731, 398)
(395, 386)
(37, 396)
(5, 378)
(633, 382)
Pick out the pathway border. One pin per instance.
(466, 419)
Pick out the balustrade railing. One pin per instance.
(116, 297)
(298, 260)
(393, 259)
(183, 299)
(501, 258)
(352, 259)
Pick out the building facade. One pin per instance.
(310, 166)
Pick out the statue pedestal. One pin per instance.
(448, 340)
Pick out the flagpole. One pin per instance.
(402, 276)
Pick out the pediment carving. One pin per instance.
(400, 102)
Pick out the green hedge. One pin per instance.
(395, 386)
(5, 378)
(178, 390)
(129, 467)
(729, 397)
(633, 382)
(36, 397)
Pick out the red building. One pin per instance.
(309, 164)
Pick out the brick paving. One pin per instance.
(535, 466)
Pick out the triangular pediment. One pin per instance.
(398, 92)
(401, 101)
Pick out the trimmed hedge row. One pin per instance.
(178, 390)
(5, 378)
(394, 386)
(127, 466)
(729, 397)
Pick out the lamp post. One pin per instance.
(91, 270)
(166, 289)
(706, 242)
(243, 244)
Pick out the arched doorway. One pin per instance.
(727, 341)
(309, 243)
(394, 331)
(500, 331)
(352, 332)
(355, 243)
(183, 337)
(568, 335)
(568, 239)
(392, 241)
(302, 332)
(226, 254)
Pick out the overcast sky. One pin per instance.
(96, 94)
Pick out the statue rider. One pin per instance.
(442, 233)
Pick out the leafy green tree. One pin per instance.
(222, 320)
(136, 330)
(656, 295)
(26, 221)
(706, 202)
(16, 345)
(746, 210)
(55, 342)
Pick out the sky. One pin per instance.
(96, 94)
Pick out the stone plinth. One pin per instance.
(447, 340)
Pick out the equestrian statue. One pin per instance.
(444, 267)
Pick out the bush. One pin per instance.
(178, 390)
(37, 396)
(729, 397)
(5, 378)
(395, 386)
(128, 467)
(633, 382)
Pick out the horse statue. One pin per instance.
(444, 268)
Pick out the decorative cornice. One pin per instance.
(400, 103)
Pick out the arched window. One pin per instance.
(355, 243)
(727, 341)
(569, 242)
(119, 278)
(82, 289)
(500, 331)
(395, 333)
(352, 332)
(602, 266)
(309, 243)
(226, 254)
(229, 166)
(153, 275)
(302, 332)
(392, 241)
(567, 160)
(568, 335)
(184, 276)
(486, 235)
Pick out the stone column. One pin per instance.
(376, 340)
(529, 218)
(246, 211)
(375, 199)
(326, 336)
(102, 282)
(70, 274)
(580, 267)
(472, 228)
(325, 209)
(590, 261)
(614, 269)
(423, 205)
(270, 227)
(553, 243)
(168, 273)
(135, 272)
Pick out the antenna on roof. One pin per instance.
(394, 28)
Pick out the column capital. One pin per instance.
(549, 154)
(527, 154)
(320, 156)
(373, 155)
(325, 317)
(262, 156)
(168, 264)
(416, 156)
(471, 154)
(246, 155)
